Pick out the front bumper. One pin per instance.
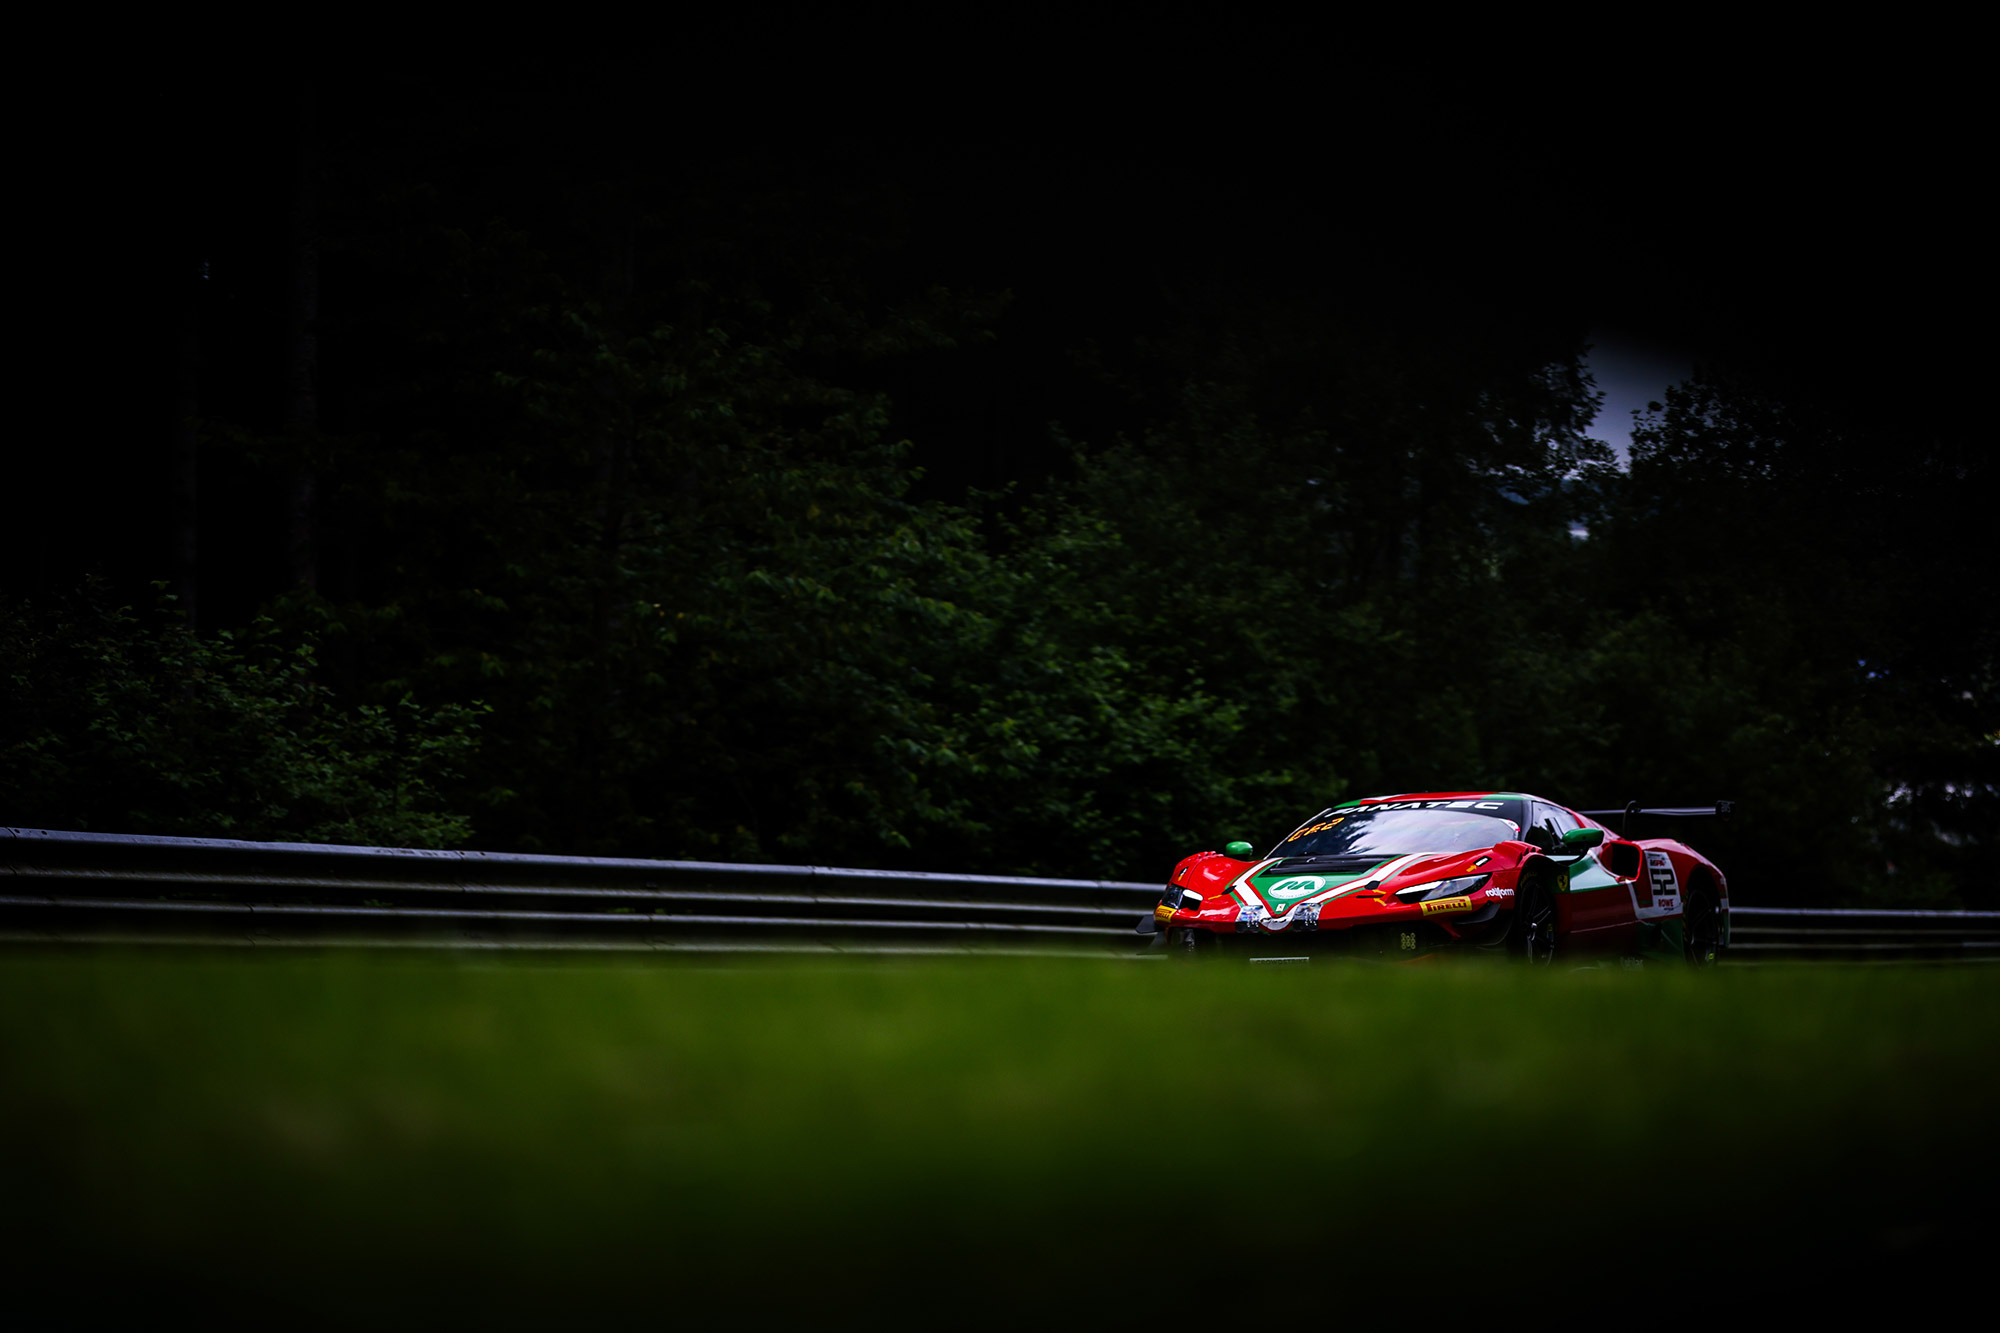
(1390, 929)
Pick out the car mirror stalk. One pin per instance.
(1575, 844)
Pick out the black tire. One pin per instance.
(1531, 934)
(1701, 927)
(1187, 942)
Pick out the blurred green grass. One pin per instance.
(346, 1135)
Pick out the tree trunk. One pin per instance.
(613, 447)
(184, 546)
(302, 352)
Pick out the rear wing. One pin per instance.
(1720, 810)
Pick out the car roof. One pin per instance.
(1447, 796)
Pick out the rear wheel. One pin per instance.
(1701, 927)
(1531, 935)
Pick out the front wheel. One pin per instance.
(1187, 942)
(1531, 935)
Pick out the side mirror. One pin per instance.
(1242, 851)
(1580, 840)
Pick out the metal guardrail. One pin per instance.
(90, 887)
(1862, 934)
(95, 887)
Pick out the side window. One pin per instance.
(1548, 824)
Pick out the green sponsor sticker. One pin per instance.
(1285, 892)
(1282, 892)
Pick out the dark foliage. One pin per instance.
(603, 450)
(112, 726)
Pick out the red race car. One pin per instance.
(1403, 876)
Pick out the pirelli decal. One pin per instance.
(1439, 906)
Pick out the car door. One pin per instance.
(1595, 907)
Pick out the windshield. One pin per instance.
(1399, 828)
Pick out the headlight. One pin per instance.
(1442, 888)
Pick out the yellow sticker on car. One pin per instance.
(1441, 905)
